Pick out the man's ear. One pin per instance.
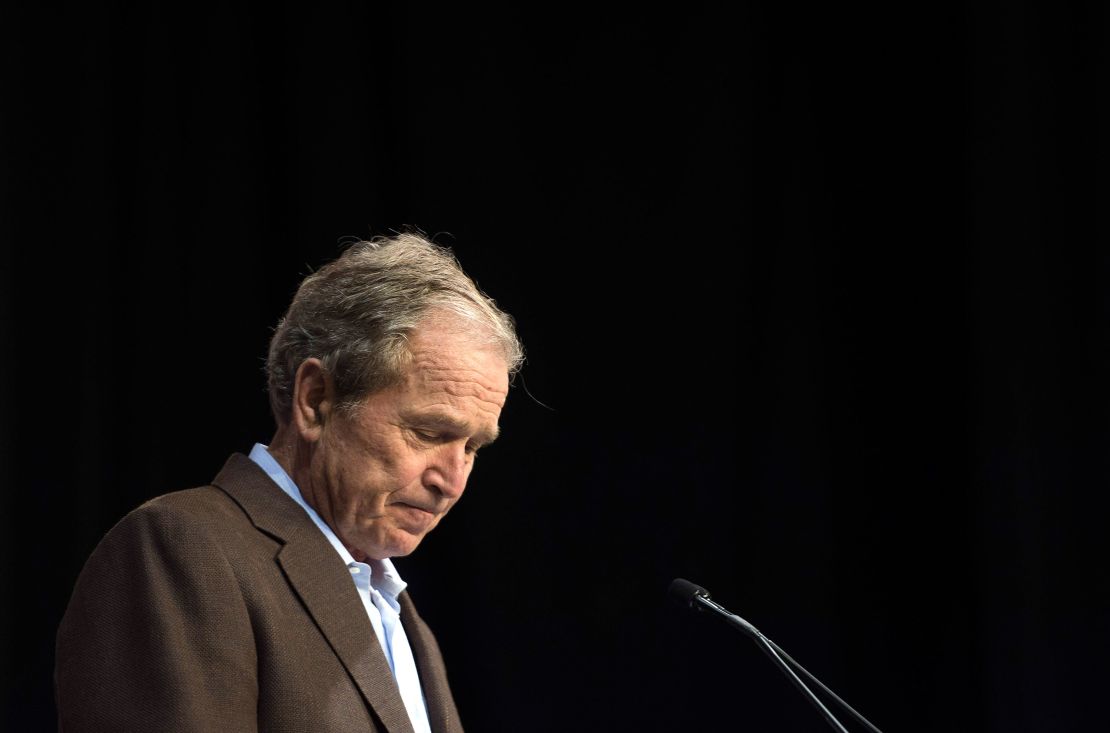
(313, 399)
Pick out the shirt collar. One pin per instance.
(384, 575)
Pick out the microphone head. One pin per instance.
(683, 592)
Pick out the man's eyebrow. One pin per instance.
(484, 438)
(445, 420)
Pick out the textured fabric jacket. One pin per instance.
(224, 609)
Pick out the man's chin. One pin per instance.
(400, 546)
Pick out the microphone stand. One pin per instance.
(779, 657)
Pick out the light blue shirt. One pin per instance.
(378, 585)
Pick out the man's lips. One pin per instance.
(417, 507)
(417, 516)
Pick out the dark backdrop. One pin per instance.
(815, 304)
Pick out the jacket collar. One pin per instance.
(323, 584)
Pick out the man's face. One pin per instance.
(383, 474)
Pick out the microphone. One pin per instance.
(696, 598)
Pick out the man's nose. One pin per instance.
(450, 470)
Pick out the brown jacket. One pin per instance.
(225, 609)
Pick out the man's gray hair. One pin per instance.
(355, 315)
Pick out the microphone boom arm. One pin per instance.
(698, 599)
(764, 644)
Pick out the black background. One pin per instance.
(815, 303)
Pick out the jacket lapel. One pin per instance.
(319, 579)
(442, 714)
(332, 600)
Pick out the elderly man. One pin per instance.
(267, 600)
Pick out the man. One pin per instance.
(267, 600)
